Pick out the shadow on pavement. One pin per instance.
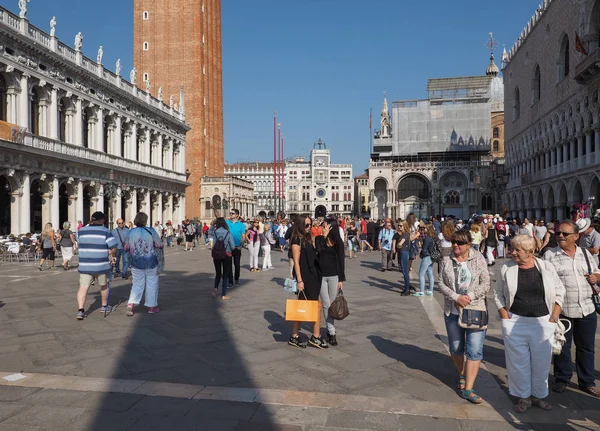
(188, 342)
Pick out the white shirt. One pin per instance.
(443, 242)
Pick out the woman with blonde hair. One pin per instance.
(445, 237)
(67, 242)
(529, 295)
(476, 235)
(426, 262)
(48, 246)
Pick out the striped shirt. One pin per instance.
(95, 241)
(578, 296)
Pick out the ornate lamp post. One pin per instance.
(111, 190)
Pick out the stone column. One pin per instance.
(98, 200)
(159, 162)
(169, 161)
(158, 208)
(77, 126)
(147, 147)
(99, 130)
(168, 209)
(23, 116)
(79, 203)
(53, 117)
(55, 214)
(46, 202)
(72, 210)
(588, 144)
(15, 213)
(548, 214)
(116, 137)
(43, 118)
(596, 149)
(25, 203)
(132, 142)
(12, 105)
(131, 210)
(580, 143)
(147, 205)
(567, 151)
(183, 207)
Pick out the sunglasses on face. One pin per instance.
(232, 213)
(459, 242)
(565, 234)
(307, 225)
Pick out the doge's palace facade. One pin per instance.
(77, 138)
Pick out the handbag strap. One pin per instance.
(587, 260)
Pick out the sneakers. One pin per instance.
(332, 340)
(81, 315)
(130, 310)
(296, 342)
(153, 310)
(236, 283)
(429, 293)
(418, 294)
(105, 309)
(319, 343)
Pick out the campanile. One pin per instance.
(177, 43)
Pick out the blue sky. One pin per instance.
(320, 63)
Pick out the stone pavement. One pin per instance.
(205, 364)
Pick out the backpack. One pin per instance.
(436, 252)
(219, 251)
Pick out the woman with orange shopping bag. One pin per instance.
(308, 275)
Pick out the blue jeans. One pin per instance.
(475, 246)
(461, 339)
(403, 258)
(125, 256)
(426, 267)
(168, 241)
(584, 332)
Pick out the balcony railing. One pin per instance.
(429, 165)
(589, 67)
(60, 149)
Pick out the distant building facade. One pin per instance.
(221, 194)
(318, 186)
(432, 156)
(260, 174)
(361, 195)
(552, 88)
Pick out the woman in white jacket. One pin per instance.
(529, 296)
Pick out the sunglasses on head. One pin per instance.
(459, 242)
(565, 234)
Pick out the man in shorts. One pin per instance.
(97, 250)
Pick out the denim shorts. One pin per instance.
(459, 338)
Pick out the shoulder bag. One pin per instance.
(595, 291)
(471, 316)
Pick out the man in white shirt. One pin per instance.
(577, 273)
(385, 239)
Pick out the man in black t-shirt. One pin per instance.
(372, 234)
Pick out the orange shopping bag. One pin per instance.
(299, 310)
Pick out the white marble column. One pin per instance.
(46, 203)
(168, 209)
(99, 130)
(183, 207)
(77, 126)
(43, 118)
(117, 206)
(15, 213)
(159, 152)
(116, 137)
(147, 147)
(23, 116)
(55, 214)
(53, 114)
(98, 200)
(12, 105)
(72, 210)
(131, 209)
(25, 202)
(588, 145)
(132, 142)
(170, 150)
(79, 204)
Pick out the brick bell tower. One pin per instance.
(177, 43)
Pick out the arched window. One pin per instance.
(516, 104)
(216, 201)
(145, 15)
(496, 146)
(536, 85)
(486, 202)
(496, 133)
(452, 198)
(146, 77)
(563, 59)
(146, 46)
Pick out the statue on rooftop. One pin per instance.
(23, 8)
(53, 26)
(78, 41)
(118, 67)
(133, 75)
(100, 55)
(160, 93)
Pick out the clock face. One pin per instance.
(320, 161)
(320, 193)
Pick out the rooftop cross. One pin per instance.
(492, 44)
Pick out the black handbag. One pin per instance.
(471, 316)
(339, 307)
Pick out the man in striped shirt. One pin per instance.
(97, 250)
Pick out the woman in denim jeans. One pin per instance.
(426, 262)
(330, 249)
(470, 268)
(401, 245)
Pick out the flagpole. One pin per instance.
(278, 168)
(282, 174)
(274, 158)
(370, 132)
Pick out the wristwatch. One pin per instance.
(553, 319)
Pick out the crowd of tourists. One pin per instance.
(551, 277)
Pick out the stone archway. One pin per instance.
(539, 204)
(36, 199)
(380, 192)
(414, 193)
(563, 207)
(594, 192)
(577, 195)
(320, 211)
(550, 206)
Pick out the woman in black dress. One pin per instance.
(308, 275)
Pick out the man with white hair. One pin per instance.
(589, 237)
